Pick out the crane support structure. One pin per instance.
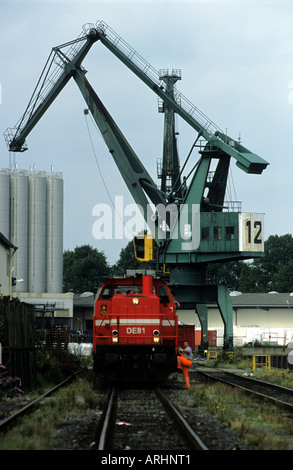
(198, 231)
(169, 169)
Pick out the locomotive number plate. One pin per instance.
(135, 330)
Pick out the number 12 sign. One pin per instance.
(251, 236)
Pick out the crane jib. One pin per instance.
(71, 59)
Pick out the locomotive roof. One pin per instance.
(136, 280)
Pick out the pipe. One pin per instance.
(147, 285)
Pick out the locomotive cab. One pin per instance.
(135, 329)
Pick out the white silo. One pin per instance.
(37, 189)
(54, 265)
(5, 203)
(19, 227)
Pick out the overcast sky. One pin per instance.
(236, 59)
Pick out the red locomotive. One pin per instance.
(135, 329)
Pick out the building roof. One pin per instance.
(268, 300)
(239, 300)
(86, 299)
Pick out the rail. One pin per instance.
(107, 421)
(189, 433)
(105, 434)
(11, 420)
(281, 396)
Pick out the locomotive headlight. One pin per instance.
(156, 334)
(115, 336)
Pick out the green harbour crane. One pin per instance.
(169, 166)
(190, 227)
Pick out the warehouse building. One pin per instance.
(267, 318)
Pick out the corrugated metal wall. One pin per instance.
(54, 253)
(31, 217)
(19, 227)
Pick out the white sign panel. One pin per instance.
(251, 232)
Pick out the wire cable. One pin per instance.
(99, 168)
(96, 159)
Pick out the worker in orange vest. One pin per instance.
(184, 361)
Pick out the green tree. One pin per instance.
(269, 272)
(253, 280)
(283, 279)
(272, 272)
(230, 274)
(82, 269)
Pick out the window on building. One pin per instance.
(217, 233)
(205, 233)
(230, 233)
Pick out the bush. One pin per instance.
(10, 393)
(55, 365)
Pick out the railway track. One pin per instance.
(134, 420)
(142, 419)
(31, 406)
(281, 396)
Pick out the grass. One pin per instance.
(260, 424)
(36, 431)
(282, 377)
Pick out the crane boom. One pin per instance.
(63, 63)
(58, 70)
(133, 172)
(246, 160)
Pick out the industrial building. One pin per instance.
(31, 218)
(264, 317)
(31, 224)
(31, 254)
(7, 250)
(267, 318)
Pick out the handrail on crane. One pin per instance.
(246, 160)
(153, 75)
(52, 82)
(56, 73)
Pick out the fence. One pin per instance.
(261, 360)
(17, 337)
(57, 336)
